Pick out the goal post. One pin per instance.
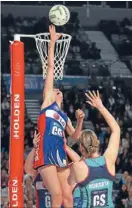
(16, 154)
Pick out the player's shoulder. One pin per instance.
(80, 170)
(79, 164)
(46, 104)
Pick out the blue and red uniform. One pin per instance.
(51, 125)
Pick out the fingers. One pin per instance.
(92, 95)
(35, 133)
(89, 97)
(98, 94)
(52, 29)
(79, 111)
(79, 114)
(90, 103)
(38, 136)
(36, 139)
(53, 35)
(93, 98)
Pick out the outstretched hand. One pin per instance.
(36, 139)
(53, 35)
(94, 99)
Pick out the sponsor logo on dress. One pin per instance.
(53, 114)
(56, 116)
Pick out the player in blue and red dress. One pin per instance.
(50, 156)
(43, 197)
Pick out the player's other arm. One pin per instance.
(74, 133)
(28, 166)
(113, 146)
(72, 179)
(72, 154)
(75, 158)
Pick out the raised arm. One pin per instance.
(74, 133)
(74, 158)
(28, 166)
(72, 154)
(113, 146)
(48, 88)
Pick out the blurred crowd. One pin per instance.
(81, 48)
(116, 100)
(120, 35)
(112, 4)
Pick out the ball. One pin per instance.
(59, 15)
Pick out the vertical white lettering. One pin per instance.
(15, 192)
(16, 116)
(17, 97)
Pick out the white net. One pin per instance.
(61, 49)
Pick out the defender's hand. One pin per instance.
(94, 99)
(36, 139)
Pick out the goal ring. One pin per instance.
(60, 53)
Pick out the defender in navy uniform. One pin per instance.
(43, 197)
(94, 174)
(50, 156)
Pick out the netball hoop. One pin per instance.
(61, 49)
(17, 103)
(60, 53)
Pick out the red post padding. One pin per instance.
(16, 193)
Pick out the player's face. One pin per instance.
(58, 95)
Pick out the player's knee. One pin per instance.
(57, 197)
(67, 198)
